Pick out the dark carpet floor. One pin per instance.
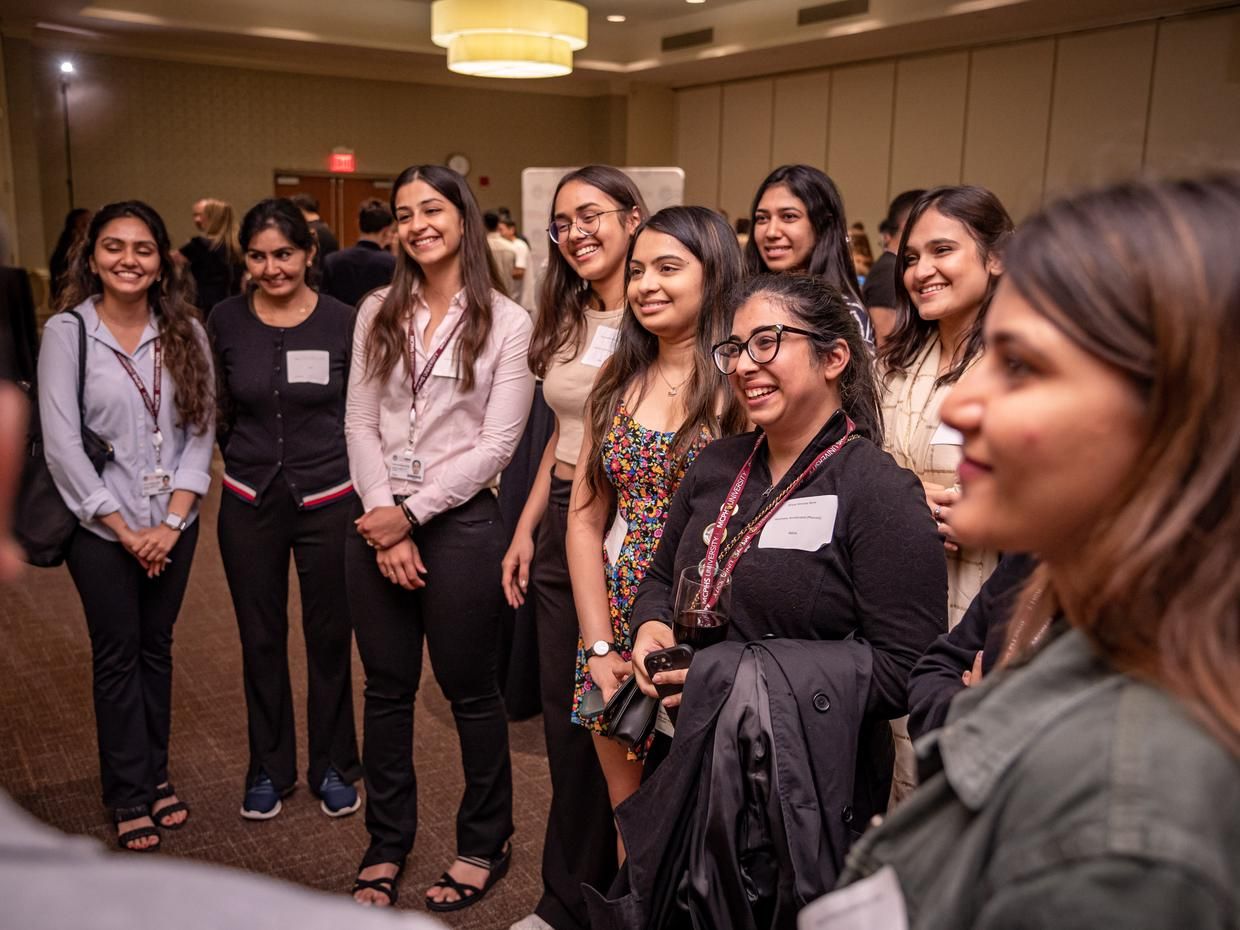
(48, 760)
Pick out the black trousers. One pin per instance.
(580, 845)
(458, 615)
(130, 619)
(255, 543)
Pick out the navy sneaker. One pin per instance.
(262, 800)
(339, 799)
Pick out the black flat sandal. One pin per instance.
(121, 814)
(468, 895)
(385, 885)
(158, 816)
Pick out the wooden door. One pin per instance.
(320, 187)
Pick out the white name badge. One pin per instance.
(805, 523)
(605, 339)
(445, 365)
(874, 903)
(156, 482)
(308, 366)
(404, 467)
(615, 539)
(946, 436)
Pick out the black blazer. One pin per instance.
(351, 274)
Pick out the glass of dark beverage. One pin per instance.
(695, 624)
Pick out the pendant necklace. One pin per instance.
(672, 389)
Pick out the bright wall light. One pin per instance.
(509, 38)
(66, 67)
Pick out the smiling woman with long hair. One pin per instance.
(657, 403)
(1098, 773)
(594, 212)
(798, 227)
(439, 392)
(148, 392)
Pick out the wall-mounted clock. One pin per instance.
(458, 163)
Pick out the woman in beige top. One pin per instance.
(594, 213)
(950, 256)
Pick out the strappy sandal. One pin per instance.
(385, 885)
(176, 807)
(468, 895)
(121, 814)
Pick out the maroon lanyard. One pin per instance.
(430, 362)
(714, 579)
(151, 403)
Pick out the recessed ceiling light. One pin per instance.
(66, 67)
(695, 1)
(616, 18)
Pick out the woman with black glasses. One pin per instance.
(823, 535)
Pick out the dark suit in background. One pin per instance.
(352, 273)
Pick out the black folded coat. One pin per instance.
(773, 772)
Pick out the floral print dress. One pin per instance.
(645, 475)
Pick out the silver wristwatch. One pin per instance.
(599, 649)
(175, 521)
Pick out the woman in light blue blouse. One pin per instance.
(149, 393)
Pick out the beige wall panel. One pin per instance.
(171, 133)
(1097, 128)
(802, 106)
(1008, 115)
(746, 144)
(927, 137)
(859, 138)
(698, 113)
(650, 133)
(31, 162)
(1195, 108)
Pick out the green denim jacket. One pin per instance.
(1069, 796)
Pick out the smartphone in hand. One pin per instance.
(669, 660)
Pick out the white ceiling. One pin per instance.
(391, 38)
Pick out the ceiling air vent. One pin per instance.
(688, 40)
(824, 12)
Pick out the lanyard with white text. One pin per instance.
(714, 578)
(420, 380)
(151, 403)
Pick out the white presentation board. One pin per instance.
(661, 187)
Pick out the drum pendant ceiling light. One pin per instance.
(509, 38)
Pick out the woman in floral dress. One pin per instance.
(655, 405)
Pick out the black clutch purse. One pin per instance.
(630, 715)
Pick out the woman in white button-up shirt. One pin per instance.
(439, 392)
(149, 393)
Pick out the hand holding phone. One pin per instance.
(673, 659)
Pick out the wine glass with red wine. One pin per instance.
(695, 624)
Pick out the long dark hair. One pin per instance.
(564, 296)
(831, 257)
(822, 309)
(989, 226)
(1157, 593)
(710, 240)
(282, 215)
(171, 310)
(387, 342)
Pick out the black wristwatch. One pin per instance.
(413, 521)
(599, 649)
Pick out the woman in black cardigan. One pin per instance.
(840, 544)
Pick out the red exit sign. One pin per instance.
(342, 162)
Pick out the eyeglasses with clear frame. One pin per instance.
(762, 346)
(586, 223)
